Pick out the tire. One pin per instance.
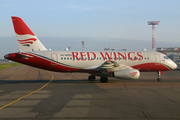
(91, 78)
(159, 80)
(104, 79)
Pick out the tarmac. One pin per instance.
(28, 93)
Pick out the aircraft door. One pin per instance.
(157, 59)
(54, 59)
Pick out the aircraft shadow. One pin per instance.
(80, 81)
(46, 81)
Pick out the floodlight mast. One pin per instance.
(153, 23)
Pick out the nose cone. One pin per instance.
(6, 56)
(173, 65)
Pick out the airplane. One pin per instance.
(117, 64)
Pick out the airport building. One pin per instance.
(173, 53)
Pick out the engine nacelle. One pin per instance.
(127, 74)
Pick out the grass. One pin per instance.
(8, 65)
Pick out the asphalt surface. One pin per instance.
(28, 93)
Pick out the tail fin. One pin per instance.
(27, 41)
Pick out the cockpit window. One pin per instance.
(166, 57)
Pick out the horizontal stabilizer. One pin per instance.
(23, 56)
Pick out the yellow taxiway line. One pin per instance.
(29, 93)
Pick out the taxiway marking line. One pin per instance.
(29, 93)
(21, 67)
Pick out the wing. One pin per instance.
(113, 69)
(111, 66)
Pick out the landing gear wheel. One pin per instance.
(159, 80)
(91, 78)
(104, 79)
(159, 76)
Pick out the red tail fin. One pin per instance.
(20, 26)
(27, 41)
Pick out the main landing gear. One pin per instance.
(91, 78)
(159, 76)
(103, 79)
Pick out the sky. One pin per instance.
(100, 23)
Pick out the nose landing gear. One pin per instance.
(159, 79)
